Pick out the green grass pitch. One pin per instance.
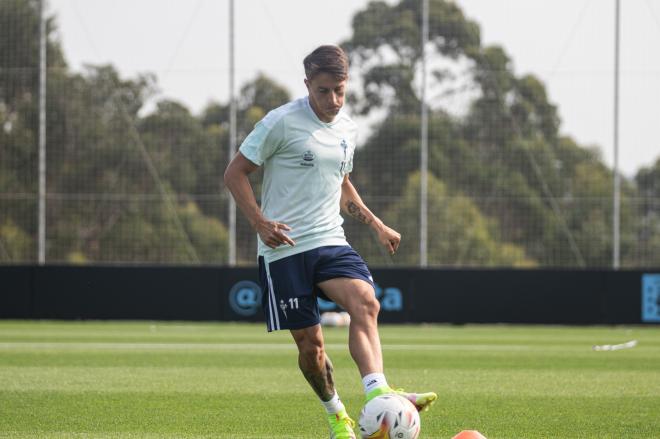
(189, 380)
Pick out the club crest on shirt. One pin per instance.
(342, 165)
(308, 159)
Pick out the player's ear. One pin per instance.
(307, 83)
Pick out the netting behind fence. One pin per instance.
(136, 177)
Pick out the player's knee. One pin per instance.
(373, 306)
(367, 305)
(310, 346)
(312, 352)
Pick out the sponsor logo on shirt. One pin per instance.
(308, 159)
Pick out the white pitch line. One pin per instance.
(242, 346)
(615, 347)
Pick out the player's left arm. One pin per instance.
(352, 204)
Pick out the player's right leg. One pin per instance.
(347, 281)
(317, 369)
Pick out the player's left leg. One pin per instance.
(290, 303)
(357, 297)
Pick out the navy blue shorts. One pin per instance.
(290, 285)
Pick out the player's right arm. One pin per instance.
(237, 181)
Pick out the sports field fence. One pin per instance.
(133, 176)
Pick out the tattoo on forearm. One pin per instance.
(355, 211)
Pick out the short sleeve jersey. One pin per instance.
(305, 161)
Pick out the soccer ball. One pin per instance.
(389, 416)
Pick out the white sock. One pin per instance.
(373, 381)
(334, 405)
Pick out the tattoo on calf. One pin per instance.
(354, 211)
(329, 369)
(320, 380)
(319, 384)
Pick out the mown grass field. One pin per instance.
(189, 380)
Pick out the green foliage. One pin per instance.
(459, 235)
(19, 59)
(648, 180)
(256, 98)
(154, 237)
(123, 186)
(19, 51)
(540, 192)
(181, 150)
(15, 244)
(209, 236)
(385, 49)
(126, 186)
(648, 209)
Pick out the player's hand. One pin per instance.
(272, 233)
(390, 238)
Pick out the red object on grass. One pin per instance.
(469, 434)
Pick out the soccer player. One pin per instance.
(306, 148)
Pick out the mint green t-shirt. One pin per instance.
(305, 161)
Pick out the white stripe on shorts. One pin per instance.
(272, 304)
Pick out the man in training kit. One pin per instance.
(306, 148)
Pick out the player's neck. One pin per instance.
(321, 116)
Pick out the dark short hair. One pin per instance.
(327, 59)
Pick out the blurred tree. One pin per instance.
(105, 163)
(19, 51)
(459, 235)
(506, 188)
(505, 153)
(255, 100)
(19, 79)
(648, 180)
(181, 149)
(385, 49)
(648, 208)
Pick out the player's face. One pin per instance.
(326, 95)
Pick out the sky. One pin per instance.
(568, 44)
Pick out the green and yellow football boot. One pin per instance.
(420, 400)
(341, 426)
